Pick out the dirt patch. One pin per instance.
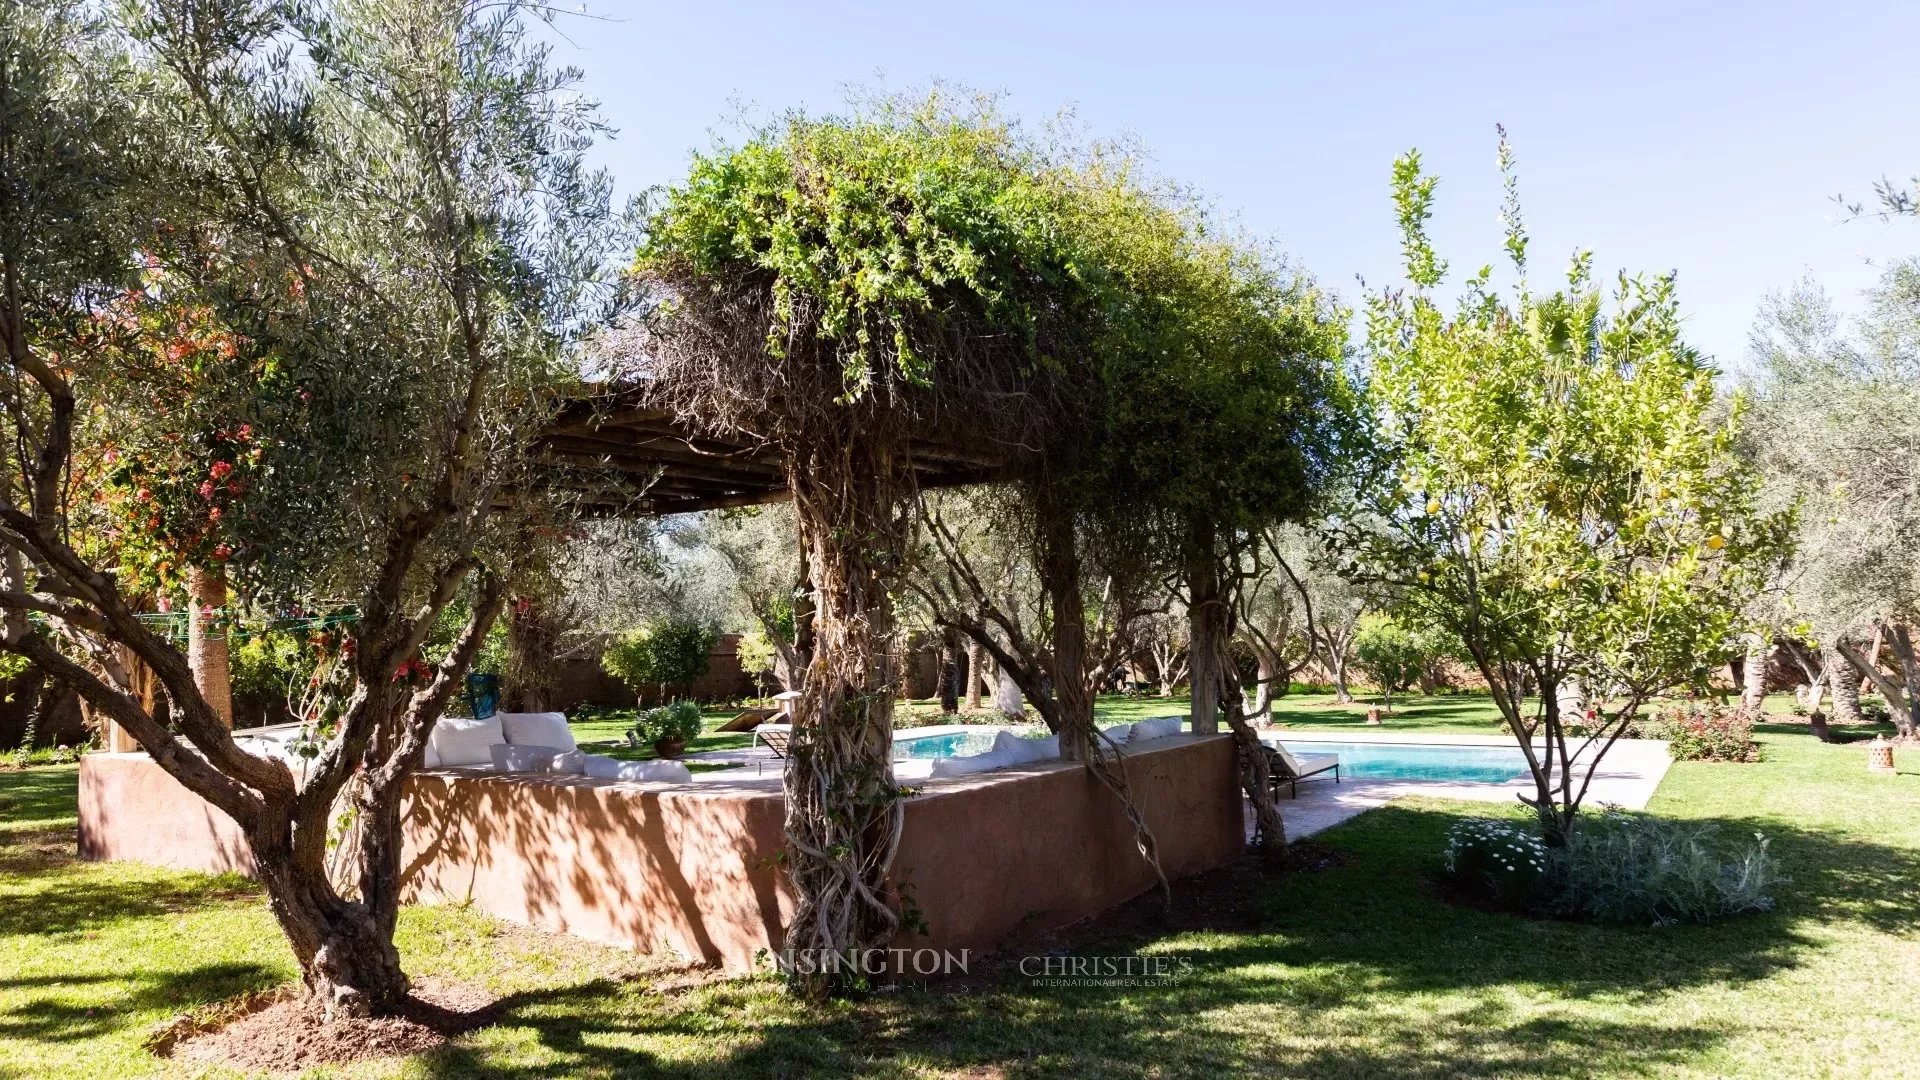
(281, 1031)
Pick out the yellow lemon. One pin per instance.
(1433, 506)
(1715, 543)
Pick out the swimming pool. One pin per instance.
(953, 744)
(1419, 761)
(1358, 760)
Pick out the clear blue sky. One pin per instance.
(1706, 138)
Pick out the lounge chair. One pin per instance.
(775, 737)
(1286, 768)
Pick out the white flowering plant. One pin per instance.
(1502, 860)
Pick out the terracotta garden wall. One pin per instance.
(693, 867)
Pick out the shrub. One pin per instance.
(1632, 868)
(1617, 867)
(672, 653)
(1704, 731)
(679, 721)
(1497, 859)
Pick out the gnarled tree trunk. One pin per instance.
(843, 807)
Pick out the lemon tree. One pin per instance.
(1557, 487)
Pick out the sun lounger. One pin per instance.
(774, 737)
(1286, 768)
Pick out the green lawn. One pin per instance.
(1355, 971)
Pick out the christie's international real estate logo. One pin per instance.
(1060, 970)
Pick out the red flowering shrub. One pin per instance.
(1703, 731)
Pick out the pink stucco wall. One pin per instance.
(694, 867)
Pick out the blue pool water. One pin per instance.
(1419, 761)
(958, 744)
(1358, 760)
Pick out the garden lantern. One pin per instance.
(1880, 755)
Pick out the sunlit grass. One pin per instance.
(1356, 971)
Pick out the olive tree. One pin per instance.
(1222, 415)
(286, 291)
(1835, 408)
(1556, 491)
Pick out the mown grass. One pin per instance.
(1355, 971)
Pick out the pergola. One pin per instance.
(660, 466)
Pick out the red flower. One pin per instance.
(221, 470)
(206, 489)
(222, 552)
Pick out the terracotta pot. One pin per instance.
(669, 748)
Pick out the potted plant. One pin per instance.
(667, 728)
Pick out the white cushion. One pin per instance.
(971, 763)
(537, 729)
(656, 772)
(1157, 728)
(1286, 755)
(571, 763)
(457, 740)
(602, 767)
(1119, 734)
(1018, 750)
(432, 760)
(524, 759)
(1312, 763)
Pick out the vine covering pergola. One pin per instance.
(856, 309)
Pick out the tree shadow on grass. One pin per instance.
(1191, 1029)
(37, 798)
(82, 901)
(49, 1016)
(1851, 733)
(1361, 970)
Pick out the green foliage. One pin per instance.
(670, 653)
(879, 225)
(265, 664)
(1559, 488)
(1389, 653)
(756, 653)
(1703, 731)
(1617, 867)
(1623, 867)
(1219, 380)
(1822, 383)
(677, 721)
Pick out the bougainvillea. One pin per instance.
(182, 445)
